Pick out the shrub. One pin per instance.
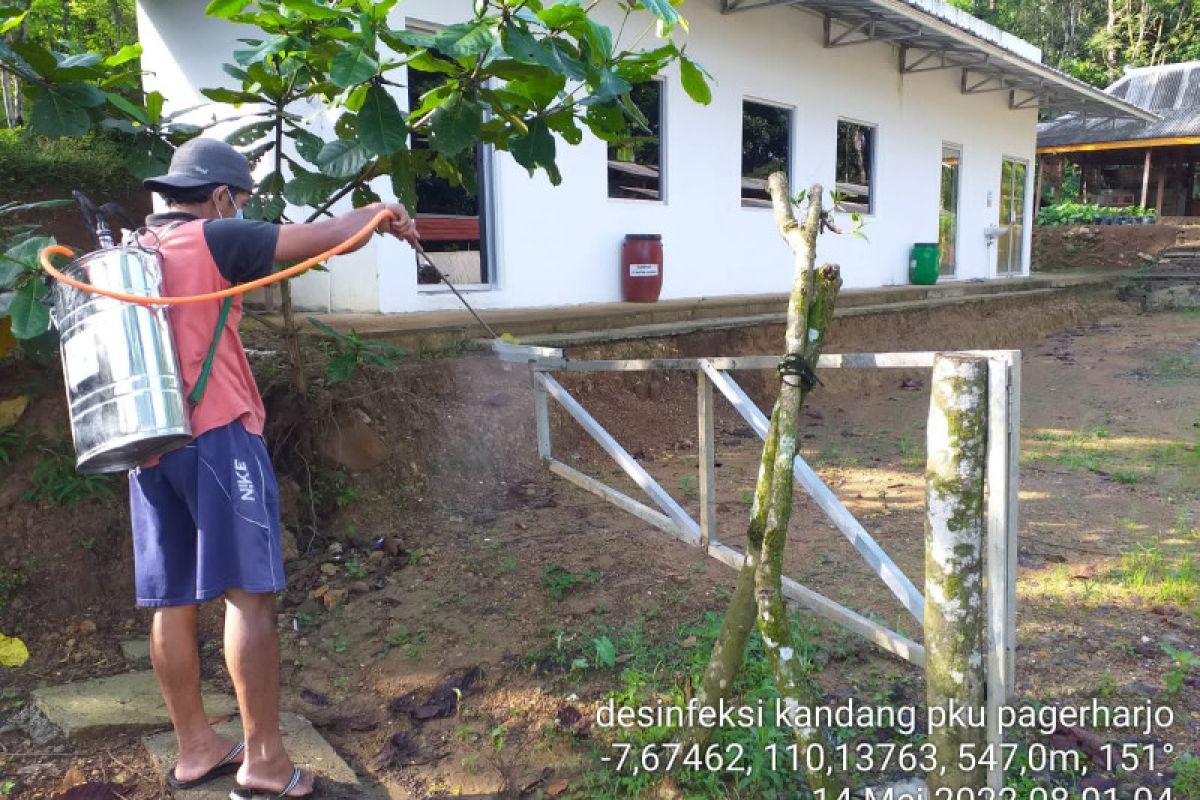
(95, 163)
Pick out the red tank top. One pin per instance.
(232, 394)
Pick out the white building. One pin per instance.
(943, 109)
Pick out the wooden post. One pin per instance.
(954, 612)
(541, 415)
(707, 456)
(1146, 179)
(1162, 185)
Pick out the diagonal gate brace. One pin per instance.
(879, 561)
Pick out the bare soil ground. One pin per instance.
(1093, 247)
(456, 614)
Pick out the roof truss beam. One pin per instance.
(844, 31)
(923, 59)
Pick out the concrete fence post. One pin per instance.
(954, 609)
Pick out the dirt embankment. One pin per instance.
(1099, 247)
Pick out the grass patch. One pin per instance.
(1175, 368)
(1172, 463)
(1160, 576)
(558, 581)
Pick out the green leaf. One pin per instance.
(455, 125)
(126, 54)
(541, 90)
(251, 133)
(605, 86)
(310, 189)
(84, 95)
(363, 196)
(37, 57)
(406, 166)
(562, 16)
(224, 9)
(563, 123)
(426, 61)
(343, 158)
(154, 106)
(6, 300)
(231, 96)
(663, 10)
(691, 75)
(30, 316)
(128, 108)
(352, 66)
(308, 145)
(9, 272)
(54, 115)
(259, 50)
(600, 38)
(25, 253)
(402, 40)
(12, 22)
(381, 126)
(465, 39)
(534, 149)
(311, 10)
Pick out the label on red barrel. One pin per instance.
(643, 270)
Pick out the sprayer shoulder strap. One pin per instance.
(206, 369)
(198, 390)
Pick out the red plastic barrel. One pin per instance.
(641, 267)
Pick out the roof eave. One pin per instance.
(1052, 89)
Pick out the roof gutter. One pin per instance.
(996, 53)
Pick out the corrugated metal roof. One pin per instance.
(1172, 91)
(933, 35)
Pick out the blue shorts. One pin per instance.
(206, 519)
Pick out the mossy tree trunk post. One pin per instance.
(954, 609)
(810, 310)
(758, 597)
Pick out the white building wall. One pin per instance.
(557, 246)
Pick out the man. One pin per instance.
(206, 516)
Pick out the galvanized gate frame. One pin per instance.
(1004, 376)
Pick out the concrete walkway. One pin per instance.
(131, 702)
(597, 322)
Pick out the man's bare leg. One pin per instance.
(252, 653)
(176, 661)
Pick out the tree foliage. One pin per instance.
(1095, 39)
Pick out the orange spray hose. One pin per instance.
(241, 288)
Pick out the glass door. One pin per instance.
(948, 214)
(1010, 248)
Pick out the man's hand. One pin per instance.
(401, 225)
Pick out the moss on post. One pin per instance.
(954, 612)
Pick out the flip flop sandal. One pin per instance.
(226, 766)
(246, 793)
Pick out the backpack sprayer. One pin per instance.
(125, 390)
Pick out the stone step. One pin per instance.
(306, 747)
(130, 702)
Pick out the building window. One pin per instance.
(452, 218)
(635, 165)
(856, 166)
(766, 148)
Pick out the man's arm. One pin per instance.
(306, 240)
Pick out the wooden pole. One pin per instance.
(954, 612)
(1162, 185)
(1146, 178)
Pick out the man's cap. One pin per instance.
(202, 162)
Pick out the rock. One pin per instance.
(136, 652)
(360, 587)
(303, 744)
(287, 543)
(127, 702)
(292, 505)
(34, 724)
(329, 569)
(352, 443)
(87, 628)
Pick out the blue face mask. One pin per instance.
(237, 209)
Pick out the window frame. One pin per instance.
(791, 144)
(662, 154)
(486, 201)
(872, 168)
